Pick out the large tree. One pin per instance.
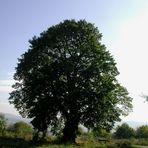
(67, 77)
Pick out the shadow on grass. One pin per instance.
(12, 142)
(55, 144)
(7, 142)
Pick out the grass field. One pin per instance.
(82, 142)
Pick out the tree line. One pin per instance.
(124, 131)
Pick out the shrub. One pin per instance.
(21, 130)
(2, 124)
(124, 132)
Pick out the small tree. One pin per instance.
(2, 124)
(124, 132)
(142, 131)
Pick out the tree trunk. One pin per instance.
(43, 135)
(70, 130)
(36, 136)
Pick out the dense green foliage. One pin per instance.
(67, 78)
(124, 132)
(2, 124)
(21, 129)
(97, 132)
(142, 131)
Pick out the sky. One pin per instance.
(123, 24)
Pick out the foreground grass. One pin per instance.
(82, 142)
(89, 142)
(139, 146)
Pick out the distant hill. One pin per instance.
(11, 119)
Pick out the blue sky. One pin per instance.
(123, 24)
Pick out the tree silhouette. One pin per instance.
(68, 77)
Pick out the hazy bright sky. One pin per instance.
(123, 23)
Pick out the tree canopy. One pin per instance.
(68, 77)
